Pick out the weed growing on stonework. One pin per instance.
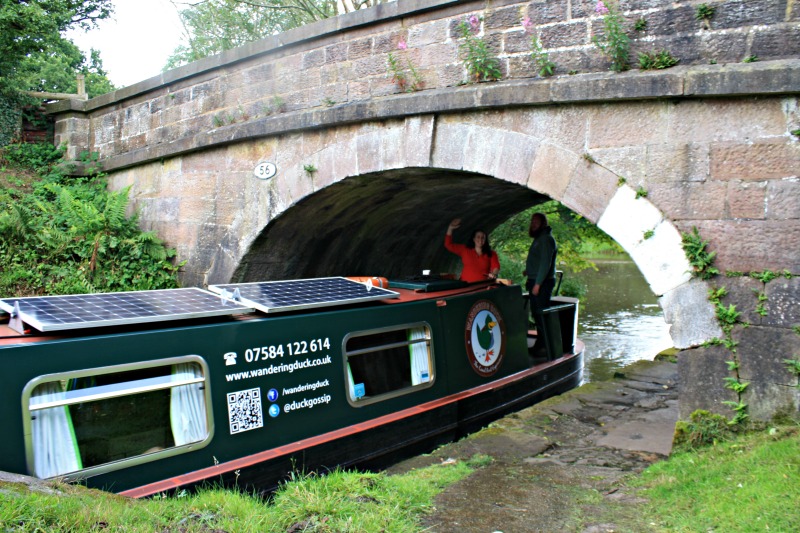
(479, 61)
(615, 42)
(703, 429)
(761, 308)
(700, 259)
(657, 60)
(640, 25)
(765, 276)
(329, 102)
(218, 121)
(793, 365)
(648, 234)
(796, 132)
(750, 59)
(310, 168)
(405, 76)
(588, 157)
(641, 192)
(704, 14)
(621, 181)
(539, 57)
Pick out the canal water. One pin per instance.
(620, 320)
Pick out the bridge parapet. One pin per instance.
(324, 66)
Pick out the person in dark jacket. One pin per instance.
(540, 266)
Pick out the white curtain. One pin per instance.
(420, 368)
(55, 448)
(187, 406)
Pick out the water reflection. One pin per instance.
(620, 319)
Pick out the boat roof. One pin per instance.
(217, 305)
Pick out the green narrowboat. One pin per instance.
(232, 390)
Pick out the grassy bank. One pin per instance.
(340, 501)
(751, 483)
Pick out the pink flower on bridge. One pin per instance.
(402, 45)
(527, 24)
(601, 8)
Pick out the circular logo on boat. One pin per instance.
(485, 335)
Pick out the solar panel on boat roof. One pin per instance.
(291, 295)
(52, 313)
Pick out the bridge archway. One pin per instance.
(389, 220)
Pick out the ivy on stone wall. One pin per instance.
(729, 317)
(10, 119)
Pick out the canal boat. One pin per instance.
(148, 392)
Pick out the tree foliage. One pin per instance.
(34, 55)
(572, 232)
(213, 26)
(36, 26)
(71, 236)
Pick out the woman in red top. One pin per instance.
(480, 263)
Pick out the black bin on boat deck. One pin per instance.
(556, 329)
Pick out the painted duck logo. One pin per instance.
(485, 338)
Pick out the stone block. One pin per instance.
(359, 48)
(629, 124)
(418, 140)
(761, 353)
(546, 12)
(747, 200)
(689, 201)
(565, 34)
(660, 258)
(517, 154)
(626, 218)
(722, 47)
(503, 18)
(627, 162)
(753, 245)
(427, 33)
(756, 161)
(672, 20)
(725, 120)
(783, 199)
(700, 373)
(683, 162)
(552, 170)
(692, 318)
(741, 13)
(517, 42)
(590, 189)
(742, 293)
(783, 304)
(770, 77)
(449, 149)
(482, 154)
(778, 41)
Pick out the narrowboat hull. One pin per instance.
(301, 391)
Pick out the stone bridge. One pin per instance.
(367, 175)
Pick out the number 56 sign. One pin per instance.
(265, 170)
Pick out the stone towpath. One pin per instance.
(547, 457)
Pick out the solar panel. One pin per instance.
(53, 313)
(291, 295)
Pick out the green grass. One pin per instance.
(340, 501)
(751, 483)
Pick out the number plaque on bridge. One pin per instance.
(265, 170)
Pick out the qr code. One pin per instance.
(244, 410)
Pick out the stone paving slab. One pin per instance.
(589, 438)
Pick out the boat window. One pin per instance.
(95, 421)
(385, 363)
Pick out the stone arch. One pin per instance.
(357, 210)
